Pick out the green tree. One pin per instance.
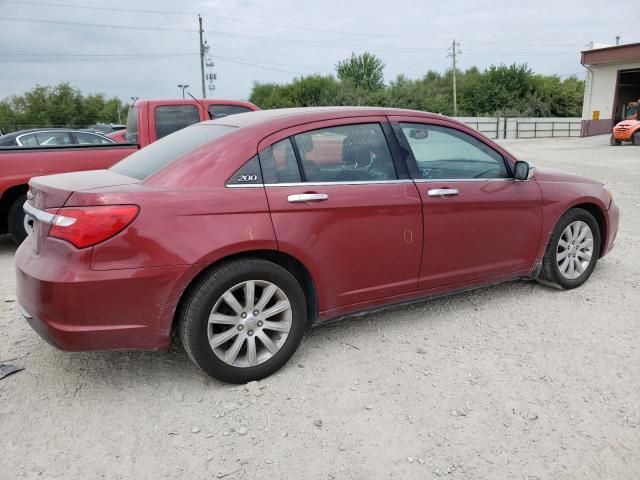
(365, 70)
(498, 90)
(58, 106)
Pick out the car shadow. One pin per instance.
(7, 245)
(173, 369)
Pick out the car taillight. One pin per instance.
(87, 226)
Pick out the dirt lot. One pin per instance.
(514, 381)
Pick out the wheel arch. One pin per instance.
(285, 260)
(595, 210)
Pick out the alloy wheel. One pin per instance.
(249, 323)
(575, 250)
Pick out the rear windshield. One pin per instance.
(217, 111)
(150, 159)
(171, 118)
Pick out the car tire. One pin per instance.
(572, 251)
(240, 339)
(18, 220)
(635, 139)
(614, 142)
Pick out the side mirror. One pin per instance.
(523, 171)
(419, 133)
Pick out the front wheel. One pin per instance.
(614, 142)
(635, 139)
(20, 224)
(244, 320)
(572, 251)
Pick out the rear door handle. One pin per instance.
(307, 197)
(442, 192)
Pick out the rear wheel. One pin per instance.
(20, 224)
(244, 320)
(635, 139)
(614, 142)
(572, 251)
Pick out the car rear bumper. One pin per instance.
(77, 309)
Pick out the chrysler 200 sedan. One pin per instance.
(235, 235)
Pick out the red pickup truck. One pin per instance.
(148, 121)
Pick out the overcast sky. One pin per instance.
(277, 40)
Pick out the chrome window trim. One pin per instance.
(377, 182)
(249, 185)
(321, 184)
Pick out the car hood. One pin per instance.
(551, 175)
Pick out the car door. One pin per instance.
(338, 205)
(478, 222)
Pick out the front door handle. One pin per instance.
(307, 197)
(442, 192)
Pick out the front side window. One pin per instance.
(218, 111)
(345, 153)
(446, 153)
(90, 139)
(171, 118)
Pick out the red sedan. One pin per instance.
(239, 233)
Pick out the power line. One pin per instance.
(96, 25)
(280, 25)
(225, 33)
(70, 58)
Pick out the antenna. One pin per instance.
(200, 103)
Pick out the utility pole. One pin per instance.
(455, 50)
(202, 52)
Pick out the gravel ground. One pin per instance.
(514, 381)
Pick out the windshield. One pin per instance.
(148, 160)
(132, 126)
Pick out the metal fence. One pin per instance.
(490, 128)
(514, 127)
(547, 129)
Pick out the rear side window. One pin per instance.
(132, 126)
(171, 118)
(248, 174)
(147, 161)
(28, 140)
(279, 163)
(346, 153)
(217, 111)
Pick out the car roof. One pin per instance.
(283, 117)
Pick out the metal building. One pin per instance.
(613, 80)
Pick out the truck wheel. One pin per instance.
(572, 251)
(614, 142)
(244, 320)
(635, 139)
(20, 224)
